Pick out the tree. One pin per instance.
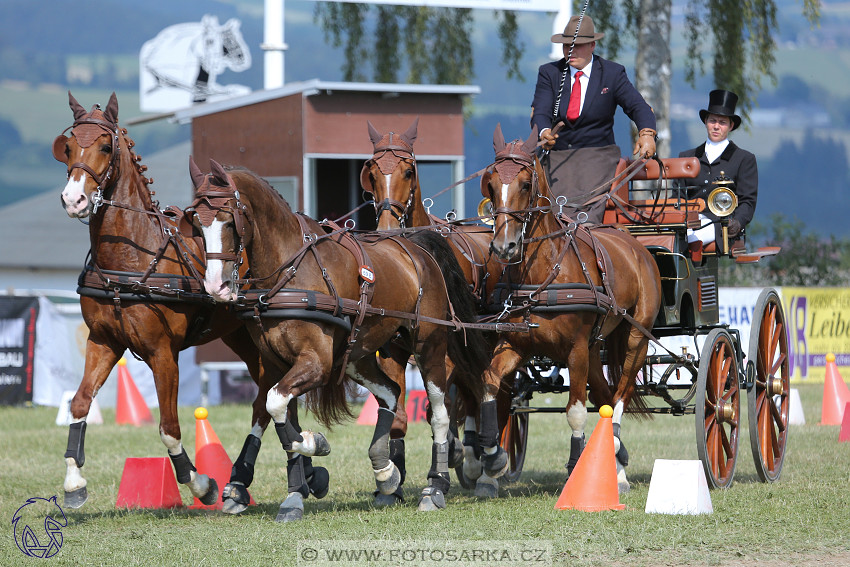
(436, 41)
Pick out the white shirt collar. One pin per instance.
(585, 71)
(714, 149)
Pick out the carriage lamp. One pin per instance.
(485, 211)
(722, 202)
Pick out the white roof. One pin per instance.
(313, 87)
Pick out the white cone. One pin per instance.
(63, 416)
(795, 409)
(678, 487)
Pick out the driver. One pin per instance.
(720, 155)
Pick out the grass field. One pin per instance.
(801, 520)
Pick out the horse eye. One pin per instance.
(408, 174)
(526, 186)
(106, 148)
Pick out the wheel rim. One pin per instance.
(718, 409)
(769, 397)
(515, 442)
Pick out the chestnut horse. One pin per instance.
(142, 291)
(391, 176)
(328, 302)
(603, 283)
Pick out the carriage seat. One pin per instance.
(674, 168)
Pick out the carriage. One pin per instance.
(706, 378)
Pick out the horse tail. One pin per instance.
(616, 345)
(329, 403)
(468, 348)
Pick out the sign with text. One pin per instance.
(18, 317)
(818, 322)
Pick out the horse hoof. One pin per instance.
(291, 509)
(386, 500)
(76, 498)
(471, 465)
(319, 482)
(486, 487)
(497, 464)
(236, 498)
(623, 487)
(323, 448)
(432, 499)
(391, 484)
(211, 497)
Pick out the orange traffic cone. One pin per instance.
(836, 395)
(844, 434)
(592, 486)
(130, 406)
(369, 413)
(148, 483)
(210, 458)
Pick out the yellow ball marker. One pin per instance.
(201, 413)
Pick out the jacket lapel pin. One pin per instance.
(604, 90)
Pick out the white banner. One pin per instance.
(524, 5)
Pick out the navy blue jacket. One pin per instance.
(608, 88)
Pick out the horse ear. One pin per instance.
(531, 143)
(366, 179)
(410, 135)
(498, 138)
(195, 173)
(76, 107)
(219, 175)
(59, 145)
(111, 112)
(485, 183)
(374, 135)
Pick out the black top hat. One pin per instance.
(722, 103)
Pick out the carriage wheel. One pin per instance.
(768, 399)
(718, 408)
(515, 442)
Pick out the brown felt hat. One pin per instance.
(586, 34)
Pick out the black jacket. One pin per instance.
(735, 163)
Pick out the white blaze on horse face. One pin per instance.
(74, 197)
(505, 187)
(214, 281)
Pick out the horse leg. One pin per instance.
(306, 373)
(368, 373)
(235, 494)
(633, 360)
(432, 364)
(393, 362)
(578, 360)
(163, 364)
(100, 358)
(505, 362)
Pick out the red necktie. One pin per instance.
(575, 99)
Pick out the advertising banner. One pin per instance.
(18, 317)
(818, 323)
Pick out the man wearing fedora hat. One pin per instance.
(719, 155)
(583, 91)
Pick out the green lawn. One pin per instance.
(799, 520)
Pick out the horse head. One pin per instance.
(390, 175)
(511, 184)
(221, 218)
(91, 154)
